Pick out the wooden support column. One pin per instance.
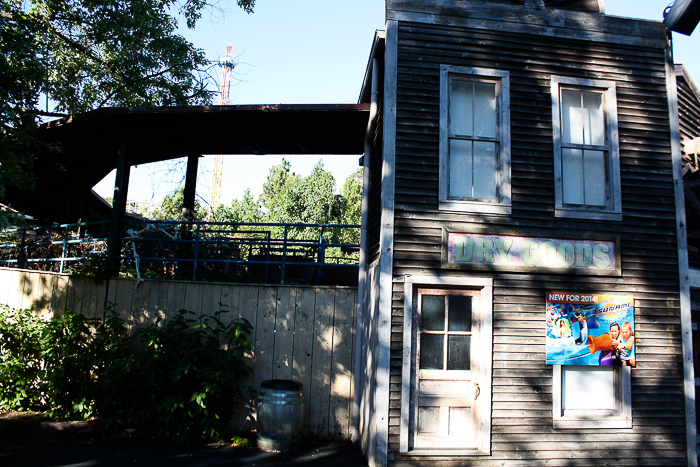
(121, 186)
(190, 187)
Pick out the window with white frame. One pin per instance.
(586, 149)
(591, 397)
(474, 140)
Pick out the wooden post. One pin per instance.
(121, 186)
(190, 187)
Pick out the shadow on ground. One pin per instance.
(27, 440)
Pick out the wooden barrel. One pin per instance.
(280, 415)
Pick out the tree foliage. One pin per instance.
(85, 54)
(291, 198)
(171, 208)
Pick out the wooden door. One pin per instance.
(447, 382)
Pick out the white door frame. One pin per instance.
(482, 405)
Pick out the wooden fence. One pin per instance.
(306, 334)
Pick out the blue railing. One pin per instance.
(258, 252)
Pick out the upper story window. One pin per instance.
(586, 150)
(474, 140)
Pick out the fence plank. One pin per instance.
(100, 299)
(124, 299)
(229, 301)
(248, 309)
(304, 343)
(193, 299)
(284, 334)
(175, 300)
(265, 335)
(70, 294)
(5, 278)
(211, 299)
(37, 294)
(17, 290)
(341, 368)
(61, 294)
(140, 314)
(157, 301)
(319, 393)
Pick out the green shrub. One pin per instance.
(21, 355)
(180, 380)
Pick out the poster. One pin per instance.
(590, 329)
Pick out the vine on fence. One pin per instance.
(180, 379)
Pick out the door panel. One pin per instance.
(446, 364)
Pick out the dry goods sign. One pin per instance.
(536, 254)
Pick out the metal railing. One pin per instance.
(256, 252)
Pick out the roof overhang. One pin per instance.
(88, 143)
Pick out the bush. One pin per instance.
(180, 380)
(21, 357)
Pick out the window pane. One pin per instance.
(461, 107)
(594, 176)
(485, 112)
(431, 351)
(460, 313)
(484, 170)
(432, 316)
(587, 387)
(572, 175)
(572, 117)
(458, 355)
(461, 169)
(595, 126)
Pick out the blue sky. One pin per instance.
(307, 52)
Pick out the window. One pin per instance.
(474, 140)
(591, 397)
(586, 152)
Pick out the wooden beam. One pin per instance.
(121, 186)
(683, 263)
(190, 187)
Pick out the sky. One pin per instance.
(306, 52)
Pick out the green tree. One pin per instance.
(351, 212)
(352, 197)
(247, 210)
(21, 75)
(85, 54)
(171, 207)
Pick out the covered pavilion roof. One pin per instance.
(89, 144)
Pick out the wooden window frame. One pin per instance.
(503, 183)
(613, 208)
(485, 369)
(619, 417)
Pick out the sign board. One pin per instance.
(513, 252)
(590, 329)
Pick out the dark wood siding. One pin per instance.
(522, 383)
(375, 191)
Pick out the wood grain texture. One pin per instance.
(301, 333)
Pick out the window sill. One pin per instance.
(593, 215)
(434, 453)
(582, 423)
(482, 208)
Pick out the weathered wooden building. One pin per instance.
(519, 148)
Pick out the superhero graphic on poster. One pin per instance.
(590, 329)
